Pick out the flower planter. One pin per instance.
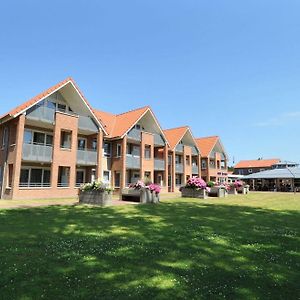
(142, 195)
(232, 191)
(193, 193)
(243, 190)
(217, 192)
(95, 197)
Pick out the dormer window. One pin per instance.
(138, 126)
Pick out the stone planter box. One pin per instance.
(95, 197)
(232, 191)
(142, 195)
(191, 193)
(218, 192)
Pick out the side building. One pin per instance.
(247, 167)
(214, 159)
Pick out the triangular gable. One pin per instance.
(40, 97)
(175, 135)
(208, 144)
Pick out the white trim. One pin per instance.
(195, 143)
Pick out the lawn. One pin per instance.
(242, 247)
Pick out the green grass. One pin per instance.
(242, 247)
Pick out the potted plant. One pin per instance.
(233, 187)
(195, 188)
(243, 188)
(144, 193)
(97, 193)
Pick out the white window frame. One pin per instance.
(82, 138)
(29, 176)
(40, 131)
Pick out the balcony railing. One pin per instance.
(179, 168)
(133, 162)
(47, 114)
(86, 123)
(135, 134)
(195, 169)
(86, 157)
(159, 164)
(34, 185)
(41, 113)
(37, 153)
(179, 148)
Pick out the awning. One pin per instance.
(286, 173)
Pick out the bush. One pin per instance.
(96, 186)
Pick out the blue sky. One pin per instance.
(228, 68)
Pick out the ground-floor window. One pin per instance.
(35, 177)
(80, 177)
(106, 176)
(63, 177)
(178, 180)
(117, 179)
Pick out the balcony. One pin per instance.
(41, 113)
(47, 115)
(179, 168)
(37, 153)
(86, 157)
(158, 140)
(133, 162)
(195, 169)
(87, 124)
(179, 148)
(135, 134)
(159, 164)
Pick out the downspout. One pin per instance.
(4, 172)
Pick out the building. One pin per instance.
(183, 157)
(134, 148)
(246, 167)
(213, 159)
(50, 145)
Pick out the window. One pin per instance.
(80, 175)
(63, 177)
(61, 107)
(106, 176)
(107, 149)
(178, 179)
(94, 144)
(81, 144)
(187, 160)
(249, 170)
(10, 174)
(117, 179)
(5, 137)
(177, 159)
(203, 164)
(65, 139)
(34, 177)
(147, 152)
(37, 138)
(138, 126)
(119, 150)
(218, 164)
(133, 150)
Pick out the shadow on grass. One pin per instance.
(172, 250)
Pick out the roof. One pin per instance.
(119, 125)
(175, 135)
(19, 109)
(284, 173)
(206, 144)
(258, 163)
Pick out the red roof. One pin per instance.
(118, 125)
(258, 163)
(206, 144)
(16, 111)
